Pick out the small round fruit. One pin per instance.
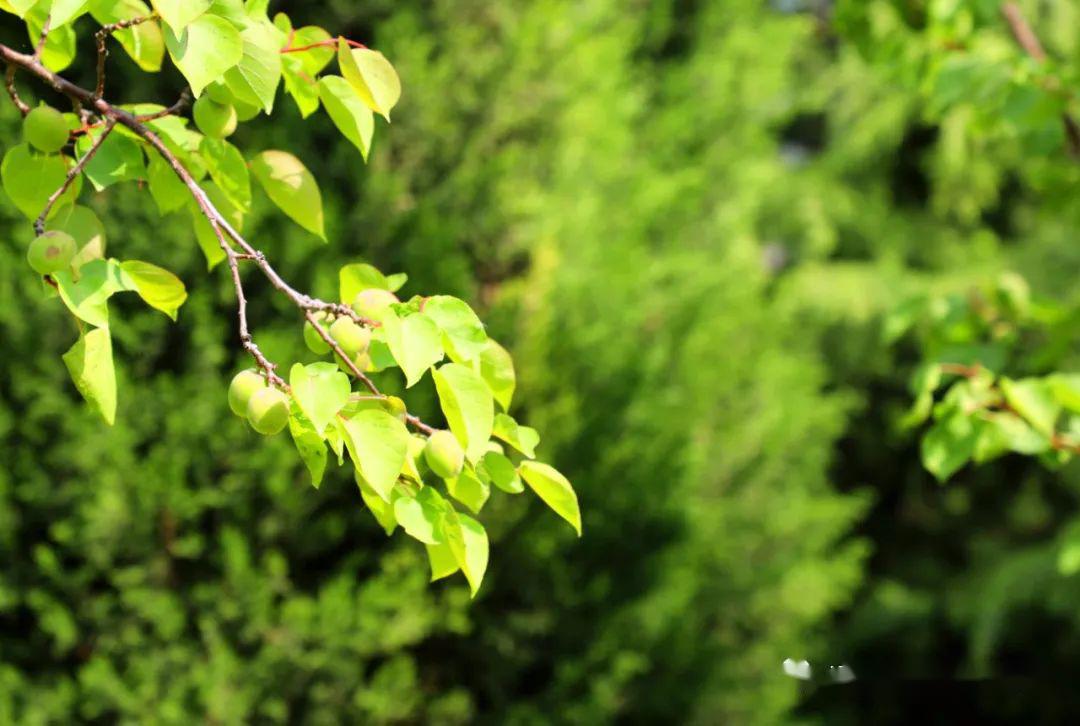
(45, 129)
(268, 411)
(314, 341)
(395, 407)
(214, 119)
(243, 387)
(352, 338)
(51, 252)
(370, 303)
(444, 454)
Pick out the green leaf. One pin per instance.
(321, 391)
(420, 515)
(90, 363)
(554, 489)
(228, 170)
(350, 114)
(309, 443)
(30, 178)
(442, 561)
(1003, 432)
(178, 14)
(464, 336)
(159, 288)
(205, 50)
(1032, 399)
(59, 50)
(467, 403)
(381, 509)
(313, 60)
(522, 438)
(63, 12)
(168, 191)
(256, 77)
(378, 444)
(497, 469)
(359, 276)
(86, 229)
(469, 489)
(87, 298)
(303, 88)
(1065, 388)
(291, 187)
(372, 76)
(119, 159)
(17, 7)
(301, 69)
(474, 557)
(497, 370)
(144, 42)
(414, 342)
(949, 444)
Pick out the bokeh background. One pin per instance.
(687, 219)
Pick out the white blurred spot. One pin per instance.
(797, 669)
(842, 674)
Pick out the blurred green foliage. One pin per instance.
(689, 221)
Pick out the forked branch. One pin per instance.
(232, 243)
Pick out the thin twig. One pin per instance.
(72, 175)
(102, 37)
(44, 37)
(328, 43)
(12, 91)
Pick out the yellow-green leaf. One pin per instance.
(159, 288)
(372, 76)
(469, 408)
(291, 187)
(90, 362)
(554, 489)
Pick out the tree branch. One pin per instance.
(44, 37)
(13, 92)
(73, 174)
(102, 37)
(225, 233)
(328, 43)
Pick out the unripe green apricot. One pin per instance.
(444, 454)
(370, 303)
(352, 338)
(51, 252)
(313, 340)
(244, 385)
(214, 119)
(395, 407)
(45, 129)
(268, 411)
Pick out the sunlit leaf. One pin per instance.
(554, 489)
(159, 288)
(90, 363)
